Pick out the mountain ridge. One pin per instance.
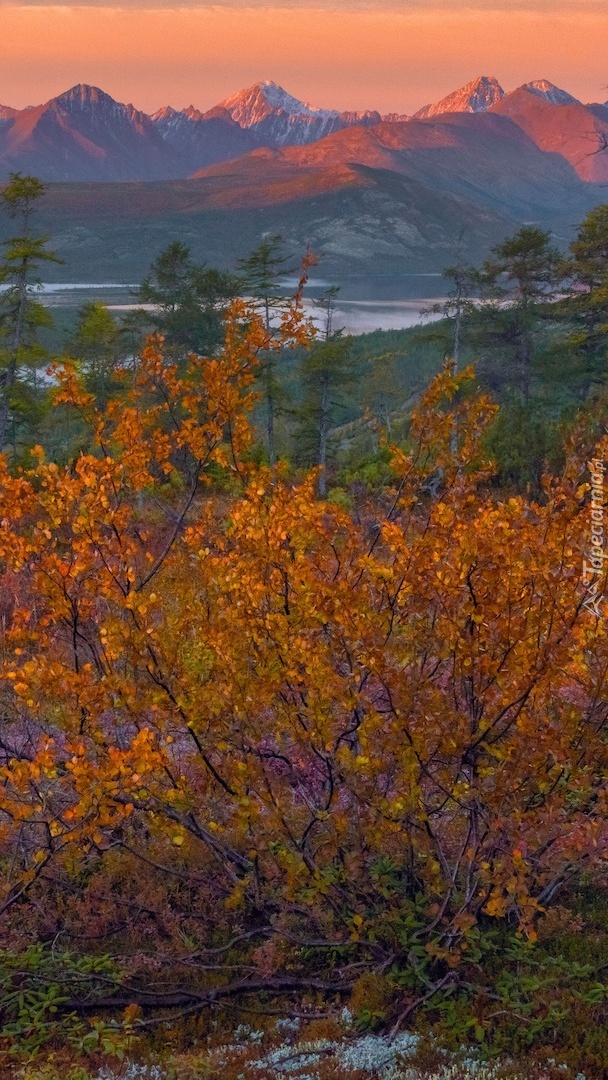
(383, 200)
(84, 134)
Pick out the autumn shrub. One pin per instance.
(257, 747)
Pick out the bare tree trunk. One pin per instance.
(272, 454)
(457, 332)
(525, 359)
(386, 416)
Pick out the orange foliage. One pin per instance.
(315, 717)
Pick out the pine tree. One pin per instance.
(21, 316)
(189, 301)
(517, 285)
(324, 371)
(260, 276)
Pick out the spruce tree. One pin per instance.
(260, 280)
(517, 285)
(188, 301)
(21, 315)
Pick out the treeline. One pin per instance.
(531, 320)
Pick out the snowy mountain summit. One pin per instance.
(85, 135)
(278, 118)
(550, 92)
(257, 102)
(477, 96)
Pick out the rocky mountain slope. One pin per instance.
(386, 207)
(485, 158)
(476, 96)
(84, 134)
(276, 118)
(575, 132)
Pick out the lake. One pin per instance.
(355, 316)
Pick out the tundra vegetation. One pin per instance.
(307, 780)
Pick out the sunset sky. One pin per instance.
(345, 54)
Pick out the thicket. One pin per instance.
(267, 752)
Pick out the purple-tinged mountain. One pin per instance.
(571, 130)
(476, 96)
(84, 135)
(7, 116)
(199, 139)
(483, 158)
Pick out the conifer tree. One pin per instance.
(21, 316)
(188, 299)
(100, 346)
(587, 267)
(324, 370)
(517, 284)
(260, 276)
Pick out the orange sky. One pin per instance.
(340, 57)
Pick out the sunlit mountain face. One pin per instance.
(476, 96)
(84, 134)
(386, 200)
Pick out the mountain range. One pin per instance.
(84, 134)
(386, 200)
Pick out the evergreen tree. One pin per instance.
(461, 280)
(324, 371)
(21, 316)
(517, 285)
(188, 300)
(382, 393)
(100, 346)
(260, 276)
(587, 269)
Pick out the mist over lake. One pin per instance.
(354, 316)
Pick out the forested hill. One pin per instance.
(375, 228)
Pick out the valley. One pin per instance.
(382, 200)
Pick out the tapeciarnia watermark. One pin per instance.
(595, 556)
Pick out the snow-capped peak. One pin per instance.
(254, 104)
(477, 96)
(166, 113)
(280, 99)
(551, 92)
